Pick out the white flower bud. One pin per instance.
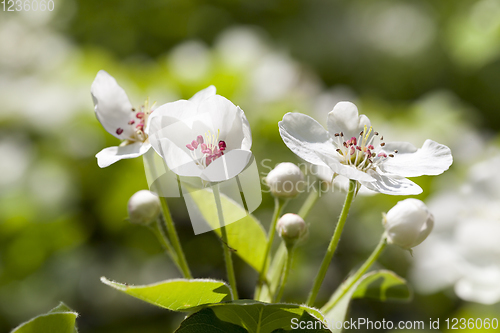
(291, 227)
(143, 207)
(408, 223)
(285, 180)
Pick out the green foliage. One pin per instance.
(246, 236)
(250, 316)
(177, 295)
(381, 285)
(61, 319)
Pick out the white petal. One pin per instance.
(170, 113)
(227, 166)
(432, 159)
(112, 106)
(344, 118)
(225, 117)
(306, 138)
(203, 94)
(391, 184)
(110, 155)
(347, 171)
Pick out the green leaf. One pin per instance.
(61, 319)
(252, 317)
(178, 294)
(382, 285)
(246, 236)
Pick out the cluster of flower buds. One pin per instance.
(285, 180)
(408, 223)
(143, 207)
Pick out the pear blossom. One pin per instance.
(408, 223)
(125, 122)
(208, 137)
(353, 149)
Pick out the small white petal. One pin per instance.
(391, 184)
(110, 155)
(203, 94)
(432, 159)
(344, 118)
(112, 106)
(306, 138)
(346, 170)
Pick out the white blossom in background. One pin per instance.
(206, 137)
(351, 148)
(144, 207)
(464, 252)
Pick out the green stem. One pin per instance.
(159, 230)
(225, 246)
(279, 204)
(359, 273)
(333, 244)
(284, 276)
(174, 238)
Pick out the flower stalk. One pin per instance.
(225, 246)
(284, 277)
(174, 238)
(279, 204)
(359, 273)
(333, 244)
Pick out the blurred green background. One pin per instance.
(418, 69)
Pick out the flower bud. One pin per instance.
(291, 227)
(143, 207)
(408, 223)
(285, 180)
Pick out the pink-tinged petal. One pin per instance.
(110, 155)
(112, 106)
(203, 94)
(432, 159)
(344, 118)
(391, 184)
(306, 138)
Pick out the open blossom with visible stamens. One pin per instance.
(353, 149)
(125, 122)
(208, 138)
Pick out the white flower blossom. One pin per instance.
(351, 148)
(206, 137)
(116, 114)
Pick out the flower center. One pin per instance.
(360, 152)
(205, 151)
(138, 122)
